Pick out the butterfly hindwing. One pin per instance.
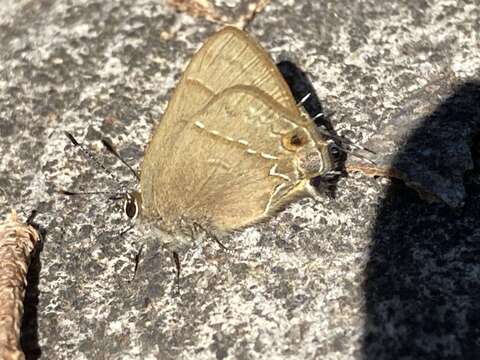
(228, 162)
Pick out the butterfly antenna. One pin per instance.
(357, 155)
(344, 140)
(109, 146)
(89, 155)
(112, 196)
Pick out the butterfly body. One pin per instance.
(232, 147)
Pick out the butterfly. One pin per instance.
(231, 149)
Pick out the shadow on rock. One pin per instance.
(422, 283)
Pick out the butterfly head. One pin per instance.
(314, 155)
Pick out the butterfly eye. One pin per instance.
(334, 150)
(130, 207)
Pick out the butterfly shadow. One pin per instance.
(422, 283)
(300, 86)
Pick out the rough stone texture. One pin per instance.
(233, 12)
(375, 272)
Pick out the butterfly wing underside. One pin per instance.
(230, 168)
(228, 58)
(190, 171)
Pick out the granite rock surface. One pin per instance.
(384, 266)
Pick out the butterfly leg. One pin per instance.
(176, 258)
(137, 262)
(220, 244)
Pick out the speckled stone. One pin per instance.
(370, 270)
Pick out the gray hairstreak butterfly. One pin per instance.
(231, 149)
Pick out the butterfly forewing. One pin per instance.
(231, 58)
(228, 58)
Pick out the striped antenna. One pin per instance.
(90, 156)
